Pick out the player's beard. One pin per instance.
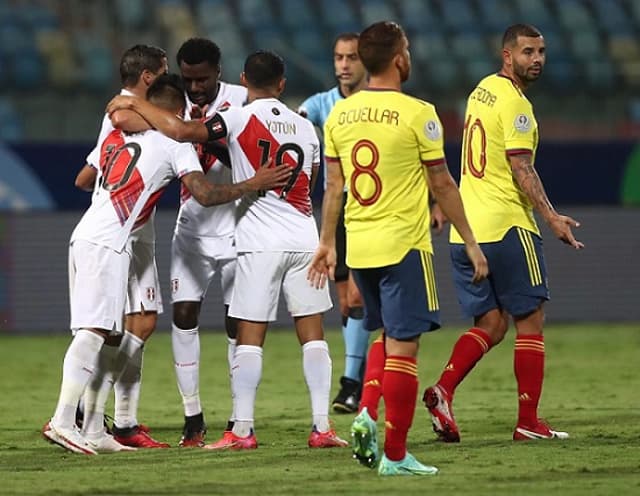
(526, 73)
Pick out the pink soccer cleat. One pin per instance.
(438, 403)
(230, 441)
(327, 439)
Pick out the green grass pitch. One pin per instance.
(592, 390)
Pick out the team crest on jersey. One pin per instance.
(275, 111)
(432, 130)
(216, 126)
(174, 285)
(151, 294)
(522, 123)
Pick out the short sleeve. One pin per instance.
(93, 159)
(225, 123)
(184, 158)
(310, 109)
(428, 130)
(519, 126)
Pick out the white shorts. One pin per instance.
(97, 286)
(194, 262)
(143, 290)
(261, 275)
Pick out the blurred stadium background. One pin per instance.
(59, 66)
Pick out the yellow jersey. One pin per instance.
(499, 122)
(384, 139)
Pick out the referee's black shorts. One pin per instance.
(342, 271)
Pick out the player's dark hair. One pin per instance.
(378, 44)
(348, 36)
(264, 69)
(137, 59)
(167, 91)
(199, 50)
(511, 34)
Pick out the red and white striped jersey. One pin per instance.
(219, 220)
(134, 171)
(147, 233)
(282, 219)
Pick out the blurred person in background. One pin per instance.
(500, 189)
(352, 77)
(389, 148)
(203, 240)
(140, 65)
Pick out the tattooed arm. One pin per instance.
(527, 178)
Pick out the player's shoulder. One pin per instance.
(231, 94)
(503, 87)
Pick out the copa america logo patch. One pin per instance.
(522, 123)
(151, 294)
(432, 130)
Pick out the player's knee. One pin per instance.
(185, 314)
(142, 325)
(356, 312)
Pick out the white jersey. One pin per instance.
(134, 170)
(282, 219)
(147, 233)
(194, 219)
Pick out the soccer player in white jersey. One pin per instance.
(203, 238)
(275, 234)
(140, 65)
(134, 170)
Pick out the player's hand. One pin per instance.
(561, 226)
(198, 112)
(271, 177)
(479, 261)
(120, 102)
(438, 219)
(323, 266)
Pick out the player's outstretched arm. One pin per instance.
(323, 264)
(208, 194)
(160, 119)
(446, 193)
(529, 181)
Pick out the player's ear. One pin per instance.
(243, 79)
(281, 85)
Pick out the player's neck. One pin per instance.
(257, 94)
(348, 90)
(505, 72)
(385, 81)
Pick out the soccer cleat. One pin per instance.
(438, 403)
(136, 438)
(539, 431)
(70, 439)
(328, 439)
(407, 466)
(347, 399)
(230, 441)
(107, 444)
(364, 439)
(193, 432)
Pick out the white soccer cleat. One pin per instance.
(69, 439)
(107, 444)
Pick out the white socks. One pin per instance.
(316, 364)
(245, 377)
(78, 366)
(231, 352)
(128, 370)
(97, 392)
(186, 361)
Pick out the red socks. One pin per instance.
(399, 389)
(468, 350)
(372, 387)
(528, 366)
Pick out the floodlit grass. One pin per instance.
(592, 390)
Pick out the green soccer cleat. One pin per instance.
(364, 439)
(407, 466)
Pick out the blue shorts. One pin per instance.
(517, 279)
(400, 298)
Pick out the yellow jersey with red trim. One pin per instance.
(383, 140)
(499, 122)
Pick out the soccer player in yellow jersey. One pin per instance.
(500, 188)
(388, 148)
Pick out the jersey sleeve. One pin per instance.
(428, 130)
(519, 126)
(184, 158)
(93, 159)
(310, 109)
